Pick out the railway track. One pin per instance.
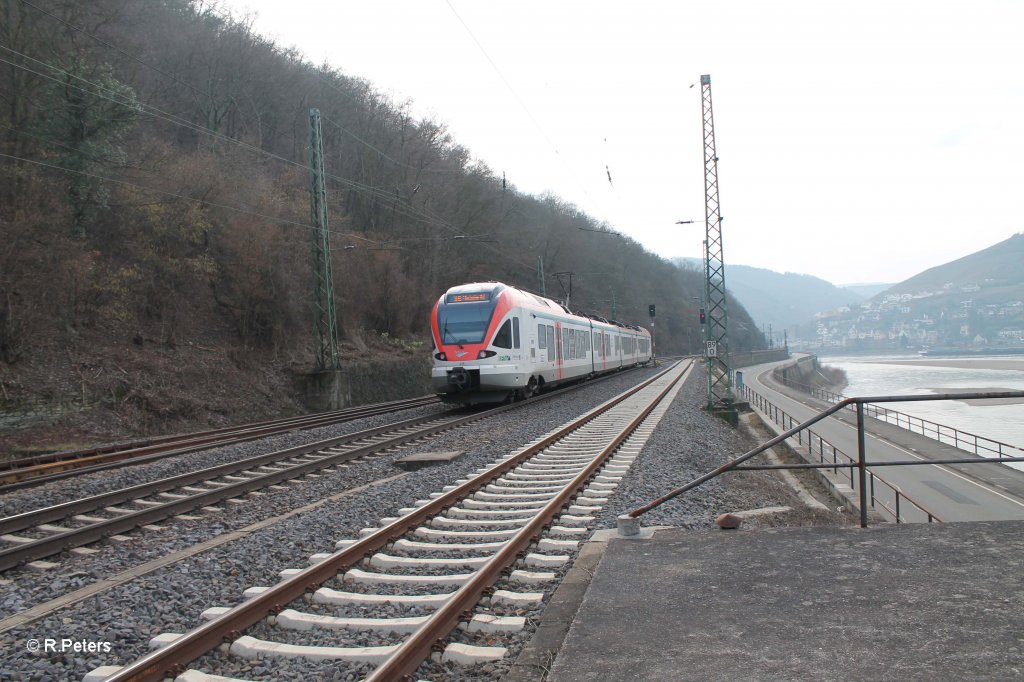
(51, 530)
(464, 557)
(32, 471)
(48, 531)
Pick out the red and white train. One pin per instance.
(494, 342)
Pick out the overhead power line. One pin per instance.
(157, 113)
(204, 202)
(112, 46)
(407, 209)
(519, 100)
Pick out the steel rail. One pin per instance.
(172, 658)
(158, 447)
(77, 537)
(28, 519)
(158, 440)
(417, 647)
(58, 542)
(65, 465)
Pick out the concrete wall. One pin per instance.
(802, 371)
(365, 382)
(740, 360)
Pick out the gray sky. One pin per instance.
(858, 142)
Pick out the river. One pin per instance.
(914, 375)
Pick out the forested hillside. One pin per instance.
(154, 218)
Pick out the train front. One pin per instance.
(473, 361)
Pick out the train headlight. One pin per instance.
(485, 354)
(441, 356)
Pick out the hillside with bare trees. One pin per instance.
(154, 222)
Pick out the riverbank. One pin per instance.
(1014, 363)
(998, 420)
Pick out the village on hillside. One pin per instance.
(969, 317)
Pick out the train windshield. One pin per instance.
(463, 321)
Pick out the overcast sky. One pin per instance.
(858, 142)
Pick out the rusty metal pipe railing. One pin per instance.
(940, 432)
(862, 464)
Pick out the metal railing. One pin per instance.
(861, 483)
(877, 486)
(962, 440)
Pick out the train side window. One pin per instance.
(565, 345)
(551, 343)
(503, 339)
(572, 344)
(515, 332)
(542, 336)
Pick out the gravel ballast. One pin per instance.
(687, 443)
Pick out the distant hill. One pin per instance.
(971, 304)
(996, 267)
(867, 290)
(780, 299)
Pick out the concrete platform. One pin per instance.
(911, 602)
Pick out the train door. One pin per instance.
(561, 339)
(592, 347)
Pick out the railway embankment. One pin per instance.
(124, 394)
(687, 442)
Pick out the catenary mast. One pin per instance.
(716, 338)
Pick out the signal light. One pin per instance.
(702, 318)
(650, 309)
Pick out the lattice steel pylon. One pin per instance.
(325, 322)
(716, 336)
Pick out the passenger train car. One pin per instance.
(494, 342)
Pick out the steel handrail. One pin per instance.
(959, 437)
(851, 464)
(862, 464)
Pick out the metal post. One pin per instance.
(540, 276)
(325, 322)
(861, 469)
(716, 350)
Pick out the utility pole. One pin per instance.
(540, 276)
(716, 337)
(614, 313)
(567, 292)
(325, 323)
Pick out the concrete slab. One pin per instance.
(910, 602)
(425, 459)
